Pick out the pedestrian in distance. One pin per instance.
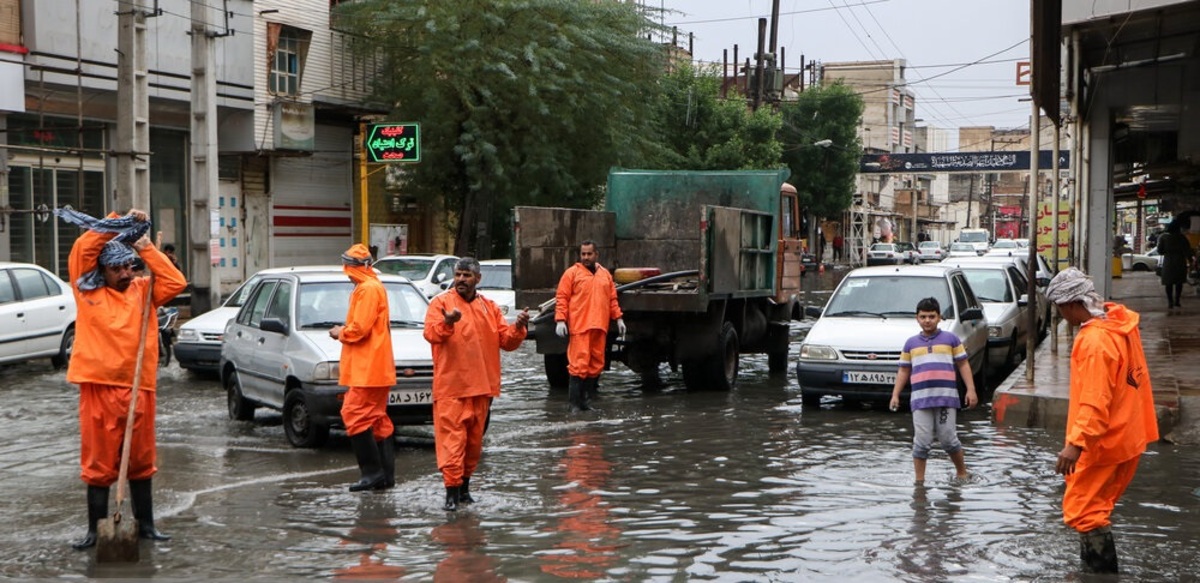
(1110, 418)
(1176, 253)
(930, 360)
(368, 371)
(169, 250)
(585, 304)
(467, 332)
(111, 311)
(838, 242)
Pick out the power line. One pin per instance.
(755, 17)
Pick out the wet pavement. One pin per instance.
(659, 486)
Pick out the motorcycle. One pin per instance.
(166, 333)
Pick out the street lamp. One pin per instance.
(823, 143)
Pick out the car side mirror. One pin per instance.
(1043, 281)
(812, 311)
(439, 277)
(273, 325)
(972, 314)
(1023, 300)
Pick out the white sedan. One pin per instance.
(37, 315)
(1148, 261)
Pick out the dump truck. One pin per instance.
(707, 264)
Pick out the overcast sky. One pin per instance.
(935, 37)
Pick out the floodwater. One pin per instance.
(659, 486)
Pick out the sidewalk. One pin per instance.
(1171, 341)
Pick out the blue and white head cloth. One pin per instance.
(118, 251)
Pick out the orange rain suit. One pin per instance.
(104, 359)
(1111, 416)
(368, 366)
(466, 377)
(587, 302)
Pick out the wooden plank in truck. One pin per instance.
(546, 242)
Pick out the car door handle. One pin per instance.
(262, 340)
(61, 308)
(20, 314)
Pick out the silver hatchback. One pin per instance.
(277, 353)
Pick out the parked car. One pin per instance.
(891, 254)
(277, 353)
(37, 315)
(932, 251)
(1003, 291)
(1020, 260)
(911, 255)
(853, 349)
(962, 250)
(1148, 261)
(1005, 245)
(198, 344)
(430, 273)
(496, 284)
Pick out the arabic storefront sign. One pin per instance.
(394, 142)
(957, 162)
(1049, 229)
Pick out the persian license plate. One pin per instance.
(412, 396)
(869, 378)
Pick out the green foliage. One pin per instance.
(520, 101)
(701, 131)
(824, 177)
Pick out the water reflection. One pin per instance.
(587, 538)
(934, 544)
(373, 532)
(464, 541)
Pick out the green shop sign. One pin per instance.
(394, 142)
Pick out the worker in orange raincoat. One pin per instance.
(585, 303)
(1111, 416)
(111, 305)
(368, 371)
(467, 332)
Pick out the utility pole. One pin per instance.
(133, 108)
(203, 175)
(1035, 147)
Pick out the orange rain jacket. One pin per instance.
(367, 358)
(1111, 415)
(586, 300)
(466, 356)
(107, 321)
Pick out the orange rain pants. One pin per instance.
(102, 413)
(365, 408)
(1093, 491)
(458, 425)
(585, 353)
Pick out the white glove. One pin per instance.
(561, 329)
(621, 326)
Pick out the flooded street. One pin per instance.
(664, 486)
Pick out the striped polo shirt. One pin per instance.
(932, 360)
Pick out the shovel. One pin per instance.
(117, 537)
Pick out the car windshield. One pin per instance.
(1006, 245)
(888, 296)
(495, 277)
(413, 268)
(929, 245)
(962, 247)
(324, 304)
(883, 247)
(979, 237)
(904, 246)
(989, 285)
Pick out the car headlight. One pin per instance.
(995, 331)
(188, 335)
(817, 352)
(326, 371)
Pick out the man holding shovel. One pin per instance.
(111, 315)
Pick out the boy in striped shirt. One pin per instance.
(930, 359)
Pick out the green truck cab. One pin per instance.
(726, 245)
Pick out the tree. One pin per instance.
(823, 172)
(701, 131)
(520, 101)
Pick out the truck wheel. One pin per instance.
(719, 371)
(777, 362)
(556, 370)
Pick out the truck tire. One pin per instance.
(556, 370)
(719, 371)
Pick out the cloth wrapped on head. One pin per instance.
(118, 251)
(357, 254)
(1073, 285)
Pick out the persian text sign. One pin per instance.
(958, 162)
(394, 142)
(1050, 229)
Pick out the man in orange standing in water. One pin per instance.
(585, 303)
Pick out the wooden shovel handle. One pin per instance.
(137, 383)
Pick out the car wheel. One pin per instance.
(240, 408)
(715, 373)
(556, 370)
(65, 347)
(298, 425)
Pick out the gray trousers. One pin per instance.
(939, 422)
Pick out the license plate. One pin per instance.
(412, 396)
(869, 378)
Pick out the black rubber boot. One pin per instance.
(369, 462)
(387, 457)
(97, 509)
(464, 492)
(593, 388)
(142, 497)
(451, 499)
(1098, 551)
(577, 394)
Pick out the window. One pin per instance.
(287, 60)
(31, 284)
(252, 314)
(446, 270)
(281, 304)
(7, 293)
